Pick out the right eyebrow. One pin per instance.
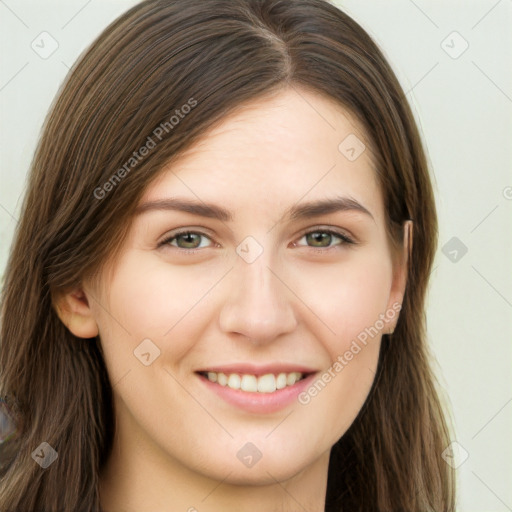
(197, 208)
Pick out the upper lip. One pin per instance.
(254, 369)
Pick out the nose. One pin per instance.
(258, 305)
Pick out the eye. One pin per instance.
(318, 239)
(324, 239)
(187, 240)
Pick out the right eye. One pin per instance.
(186, 240)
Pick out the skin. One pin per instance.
(301, 301)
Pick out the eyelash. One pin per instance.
(345, 240)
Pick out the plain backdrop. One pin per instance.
(453, 59)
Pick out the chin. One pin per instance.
(265, 471)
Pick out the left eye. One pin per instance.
(324, 239)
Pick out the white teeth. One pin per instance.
(221, 379)
(292, 378)
(267, 383)
(249, 383)
(281, 381)
(234, 381)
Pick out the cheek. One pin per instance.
(349, 299)
(348, 296)
(153, 299)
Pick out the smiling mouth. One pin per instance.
(268, 383)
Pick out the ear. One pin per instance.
(75, 313)
(400, 270)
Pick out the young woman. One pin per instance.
(215, 297)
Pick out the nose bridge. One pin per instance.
(257, 303)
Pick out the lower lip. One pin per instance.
(259, 403)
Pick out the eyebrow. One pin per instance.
(296, 212)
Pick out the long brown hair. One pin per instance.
(131, 86)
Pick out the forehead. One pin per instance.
(273, 152)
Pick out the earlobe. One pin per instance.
(75, 313)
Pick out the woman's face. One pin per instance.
(286, 268)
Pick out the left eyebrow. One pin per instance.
(324, 207)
